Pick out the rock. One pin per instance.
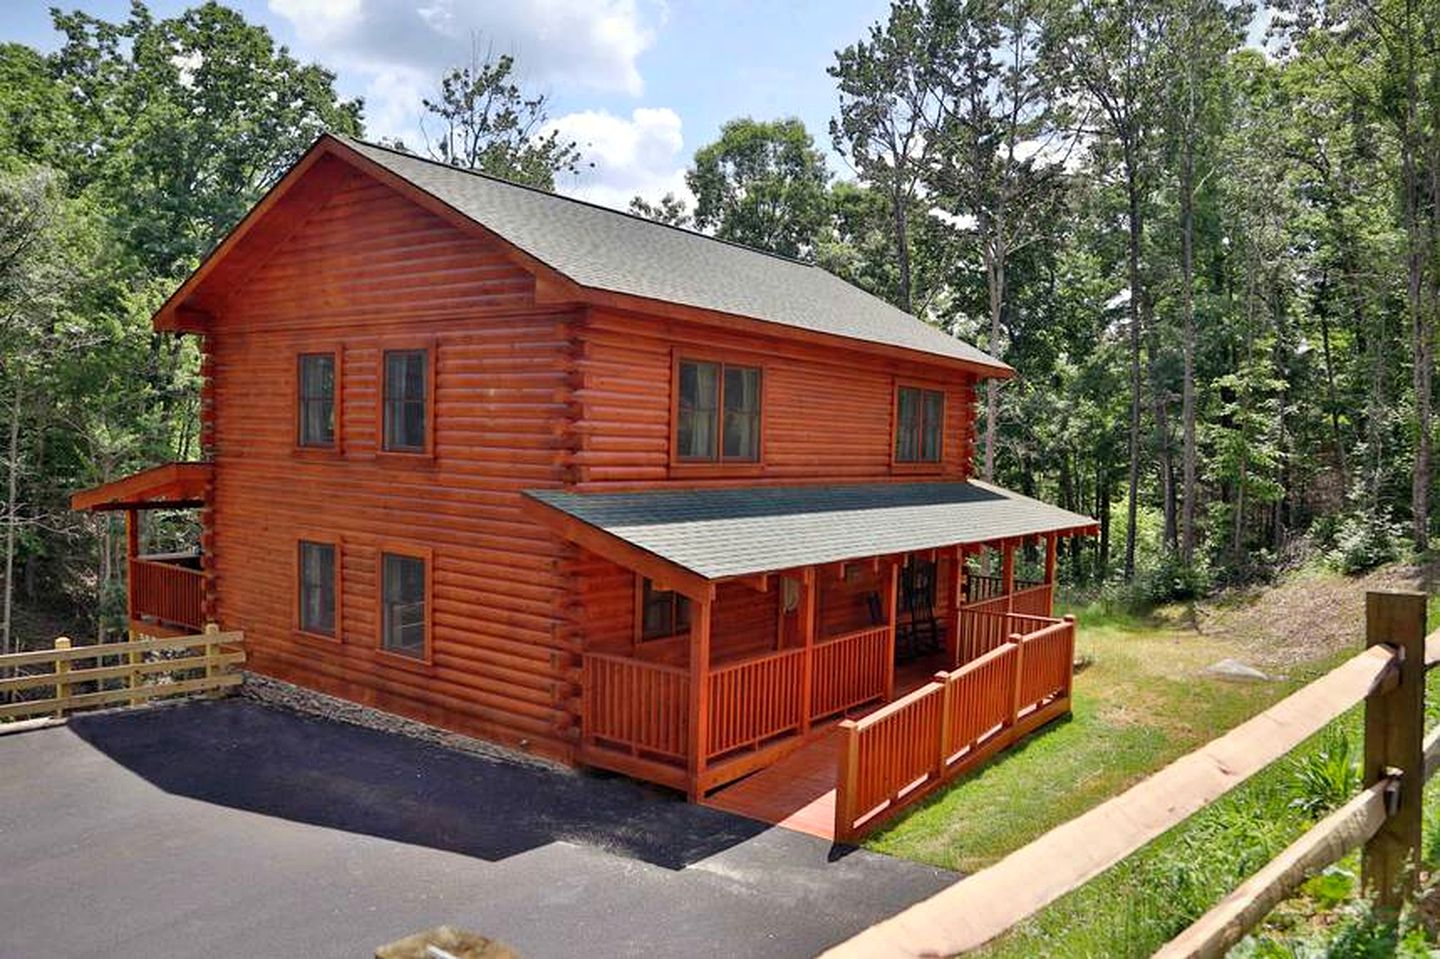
(1236, 671)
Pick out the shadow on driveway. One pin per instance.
(312, 770)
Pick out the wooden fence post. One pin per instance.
(212, 650)
(847, 781)
(1018, 641)
(136, 659)
(1070, 657)
(62, 688)
(947, 698)
(1394, 733)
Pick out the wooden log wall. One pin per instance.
(526, 395)
(827, 414)
(367, 270)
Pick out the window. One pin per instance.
(407, 394)
(318, 588)
(717, 412)
(316, 400)
(919, 424)
(402, 605)
(663, 612)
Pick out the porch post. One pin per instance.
(957, 600)
(1052, 550)
(892, 591)
(810, 583)
(1007, 568)
(699, 693)
(132, 550)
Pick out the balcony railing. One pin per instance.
(167, 590)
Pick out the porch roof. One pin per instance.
(723, 533)
(168, 486)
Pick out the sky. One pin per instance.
(639, 84)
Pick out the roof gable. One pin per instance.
(587, 252)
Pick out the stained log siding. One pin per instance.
(827, 413)
(370, 269)
(526, 394)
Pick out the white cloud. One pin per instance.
(641, 155)
(401, 47)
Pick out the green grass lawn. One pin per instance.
(1142, 703)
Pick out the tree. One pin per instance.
(997, 154)
(488, 123)
(1204, 34)
(1108, 54)
(761, 184)
(889, 110)
(670, 210)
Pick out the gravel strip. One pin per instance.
(283, 695)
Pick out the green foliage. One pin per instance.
(1326, 777)
(1365, 538)
(762, 184)
(488, 123)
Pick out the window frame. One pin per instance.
(406, 345)
(640, 639)
(335, 543)
(427, 557)
(720, 462)
(937, 465)
(336, 446)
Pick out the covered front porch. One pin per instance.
(164, 591)
(773, 656)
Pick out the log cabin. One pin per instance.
(579, 483)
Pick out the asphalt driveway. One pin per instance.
(234, 829)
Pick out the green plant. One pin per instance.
(1366, 538)
(1326, 777)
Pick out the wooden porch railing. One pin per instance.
(167, 592)
(987, 624)
(849, 671)
(635, 705)
(1036, 600)
(755, 699)
(979, 588)
(900, 752)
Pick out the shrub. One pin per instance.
(1326, 777)
(1366, 538)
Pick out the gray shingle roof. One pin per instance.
(735, 532)
(608, 250)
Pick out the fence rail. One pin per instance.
(894, 756)
(636, 705)
(754, 700)
(146, 669)
(167, 592)
(849, 671)
(1388, 677)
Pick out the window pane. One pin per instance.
(403, 604)
(934, 420)
(405, 399)
(663, 613)
(317, 399)
(695, 424)
(742, 413)
(907, 424)
(317, 588)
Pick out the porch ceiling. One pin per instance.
(168, 486)
(723, 533)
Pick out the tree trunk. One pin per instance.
(1187, 392)
(1132, 190)
(902, 245)
(995, 281)
(12, 492)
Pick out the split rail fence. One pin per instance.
(107, 674)
(1384, 819)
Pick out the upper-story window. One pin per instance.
(919, 424)
(717, 412)
(315, 422)
(663, 612)
(406, 403)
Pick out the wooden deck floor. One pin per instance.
(798, 792)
